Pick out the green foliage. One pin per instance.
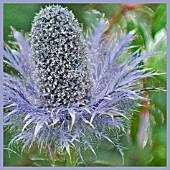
(158, 64)
(159, 20)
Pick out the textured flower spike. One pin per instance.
(60, 56)
(44, 103)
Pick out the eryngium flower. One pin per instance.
(58, 70)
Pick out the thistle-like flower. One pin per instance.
(70, 89)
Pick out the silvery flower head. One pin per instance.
(70, 89)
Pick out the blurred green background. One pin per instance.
(150, 24)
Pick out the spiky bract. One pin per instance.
(112, 87)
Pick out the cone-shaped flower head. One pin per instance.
(60, 57)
